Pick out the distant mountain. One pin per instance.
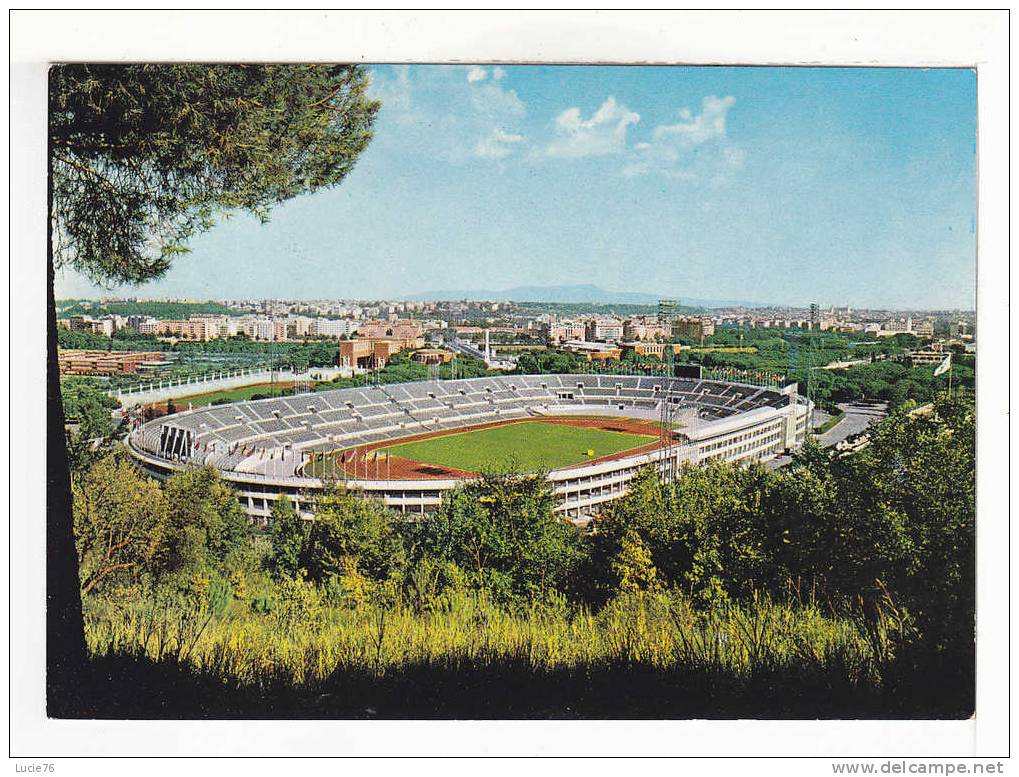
(585, 292)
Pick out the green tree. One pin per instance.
(349, 527)
(895, 519)
(704, 533)
(120, 524)
(287, 539)
(143, 157)
(503, 531)
(548, 361)
(632, 565)
(87, 410)
(921, 471)
(205, 522)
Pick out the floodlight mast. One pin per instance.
(667, 439)
(806, 366)
(272, 367)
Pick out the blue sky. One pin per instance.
(784, 185)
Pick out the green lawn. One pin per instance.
(525, 446)
(233, 395)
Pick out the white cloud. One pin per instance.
(455, 112)
(493, 102)
(395, 92)
(634, 169)
(709, 124)
(695, 147)
(603, 133)
(497, 145)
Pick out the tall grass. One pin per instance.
(306, 638)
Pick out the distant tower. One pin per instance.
(667, 310)
(815, 311)
(488, 345)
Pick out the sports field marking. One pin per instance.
(526, 446)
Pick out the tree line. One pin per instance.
(157, 309)
(301, 355)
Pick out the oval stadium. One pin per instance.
(408, 443)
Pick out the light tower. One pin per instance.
(801, 358)
(667, 440)
(667, 310)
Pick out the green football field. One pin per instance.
(526, 446)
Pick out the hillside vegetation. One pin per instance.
(837, 587)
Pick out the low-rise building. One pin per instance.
(646, 328)
(263, 329)
(604, 330)
(557, 332)
(959, 329)
(334, 327)
(80, 362)
(592, 351)
(934, 354)
(693, 328)
(369, 352)
(649, 349)
(403, 329)
(191, 329)
(88, 324)
(136, 322)
(299, 326)
(432, 356)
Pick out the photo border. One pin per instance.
(802, 38)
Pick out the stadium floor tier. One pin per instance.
(526, 444)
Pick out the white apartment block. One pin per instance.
(334, 327)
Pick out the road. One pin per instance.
(469, 349)
(858, 418)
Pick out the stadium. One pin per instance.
(409, 443)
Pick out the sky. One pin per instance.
(774, 185)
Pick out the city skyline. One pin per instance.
(106, 298)
(777, 186)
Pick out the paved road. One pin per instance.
(858, 418)
(820, 417)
